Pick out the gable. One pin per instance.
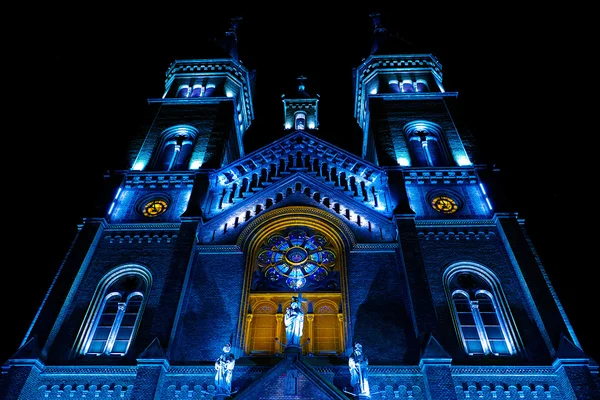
(297, 169)
(301, 189)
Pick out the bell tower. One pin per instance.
(390, 86)
(203, 114)
(300, 112)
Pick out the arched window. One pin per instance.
(183, 91)
(326, 330)
(425, 144)
(407, 86)
(175, 148)
(393, 85)
(197, 91)
(263, 329)
(300, 122)
(480, 311)
(115, 312)
(297, 258)
(422, 85)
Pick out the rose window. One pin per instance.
(296, 258)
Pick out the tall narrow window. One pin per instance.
(183, 91)
(300, 121)
(197, 91)
(326, 335)
(407, 86)
(263, 329)
(115, 324)
(393, 84)
(480, 312)
(115, 312)
(422, 85)
(210, 90)
(425, 144)
(174, 150)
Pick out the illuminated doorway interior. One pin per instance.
(296, 259)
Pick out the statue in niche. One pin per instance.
(294, 321)
(359, 376)
(224, 366)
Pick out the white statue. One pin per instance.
(224, 366)
(359, 375)
(294, 322)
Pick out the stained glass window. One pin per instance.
(298, 259)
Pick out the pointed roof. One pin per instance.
(434, 353)
(29, 351)
(568, 351)
(153, 354)
(229, 42)
(385, 42)
(302, 93)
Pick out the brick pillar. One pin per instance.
(576, 379)
(572, 366)
(152, 367)
(20, 383)
(435, 364)
(149, 378)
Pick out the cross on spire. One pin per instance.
(301, 79)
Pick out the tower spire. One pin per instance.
(231, 38)
(380, 33)
(301, 86)
(300, 111)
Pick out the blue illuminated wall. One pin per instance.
(440, 285)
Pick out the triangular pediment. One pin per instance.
(298, 169)
(154, 351)
(302, 189)
(435, 352)
(29, 351)
(284, 378)
(568, 351)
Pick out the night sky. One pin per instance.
(81, 89)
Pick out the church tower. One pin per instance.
(321, 273)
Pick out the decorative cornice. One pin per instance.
(210, 370)
(374, 247)
(413, 96)
(159, 180)
(433, 223)
(224, 65)
(402, 61)
(501, 370)
(90, 370)
(170, 226)
(457, 234)
(225, 249)
(454, 176)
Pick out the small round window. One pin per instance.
(154, 208)
(444, 204)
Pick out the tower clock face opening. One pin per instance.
(444, 204)
(154, 208)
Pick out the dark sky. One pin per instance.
(80, 91)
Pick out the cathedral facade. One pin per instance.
(301, 270)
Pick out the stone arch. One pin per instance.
(252, 241)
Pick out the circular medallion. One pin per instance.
(154, 208)
(296, 255)
(444, 204)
